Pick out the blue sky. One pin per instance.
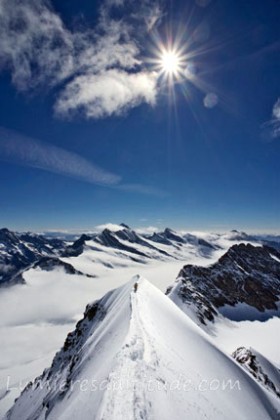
(93, 130)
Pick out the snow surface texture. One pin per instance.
(139, 344)
(263, 336)
(36, 316)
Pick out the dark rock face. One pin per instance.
(268, 240)
(190, 296)
(132, 237)
(245, 274)
(69, 356)
(171, 238)
(260, 368)
(202, 242)
(160, 238)
(77, 247)
(93, 310)
(50, 263)
(20, 251)
(125, 226)
(107, 238)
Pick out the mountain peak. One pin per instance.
(168, 230)
(173, 236)
(8, 236)
(124, 357)
(125, 226)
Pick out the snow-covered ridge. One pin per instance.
(37, 316)
(19, 251)
(136, 355)
(164, 245)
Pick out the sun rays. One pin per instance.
(170, 63)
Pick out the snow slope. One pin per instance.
(260, 367)
(262, 336)
(35, 317)
(136, 355)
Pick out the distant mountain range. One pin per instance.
(21, 251)
(137, 337)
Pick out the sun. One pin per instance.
(169, 60)
(170, 63)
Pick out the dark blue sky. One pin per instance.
(168, 158)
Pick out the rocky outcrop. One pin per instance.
(50, 263)
(77, 247)
(260, 368)
(244, 275)
(19, 251)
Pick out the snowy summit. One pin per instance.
(136, 355)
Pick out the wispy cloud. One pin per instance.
(111, 226)
(34, 153)
(34, 44)
(276, 110)
(149, 230)
(143, 189)
(37, 154)
(271, 129)
(98, 70)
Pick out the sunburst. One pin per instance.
(170, 61)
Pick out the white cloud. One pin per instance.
(150, 11)
(110, 92)
(34, 43)
(276, 109)
(111, 226)
(147, 230)
(271, 129)
(41, 52)
(37, 154)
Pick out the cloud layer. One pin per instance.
(98, 71)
